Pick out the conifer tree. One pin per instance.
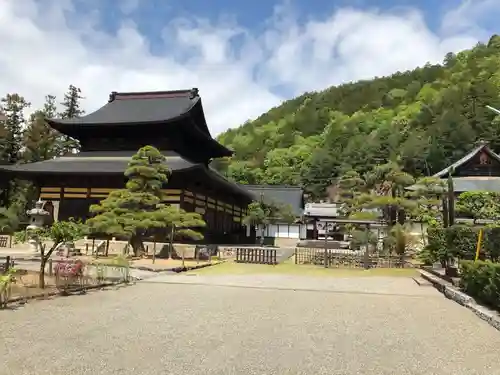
(138, 210)
(13, 193)
(40, 140)
(71, 109)
(13, 108)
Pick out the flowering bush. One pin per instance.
(67, 269)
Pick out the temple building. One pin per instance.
(172, 121)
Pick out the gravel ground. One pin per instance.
(337, 326)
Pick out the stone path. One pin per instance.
(254, 324)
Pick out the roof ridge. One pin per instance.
(116, 95)
(273, 186)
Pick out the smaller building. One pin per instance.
(479, 170)
(286, 195)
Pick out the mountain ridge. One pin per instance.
(426, 118)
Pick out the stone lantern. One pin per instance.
(38, 218)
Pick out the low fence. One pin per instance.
(5, 264)
(256, 255)
(74, 274)
(340, 258)
(62, 276)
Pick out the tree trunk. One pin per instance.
(41, 275)
(171, 242)
(446, 214)
(137, 244)
(422, 232)
(43, 261)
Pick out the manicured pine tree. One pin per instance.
(138, 210)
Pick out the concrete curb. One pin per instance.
(489, 316)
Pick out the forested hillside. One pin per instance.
(425, 118)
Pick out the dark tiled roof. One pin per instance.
(138, 107)
(91, 162)
(466, 158)
(231, 186)
(290, 195)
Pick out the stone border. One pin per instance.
(488, 315)
(176, 269)
(24, 299)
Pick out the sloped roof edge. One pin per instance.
(482, 147)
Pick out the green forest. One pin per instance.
(423, 119)
(25, 140)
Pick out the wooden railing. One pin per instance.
(256, 255)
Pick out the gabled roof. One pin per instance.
(483, 147)
(281, 194)
(137, 108)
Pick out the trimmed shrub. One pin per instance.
(491, 244)
(481, 280)
(445, 244)
(460, 241)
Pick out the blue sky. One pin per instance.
(244, 56)
(150, 15)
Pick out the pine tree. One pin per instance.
(72, 109)
(13, 108)
(3, 137)
(40, 140)
(13, 194)
(137, 210)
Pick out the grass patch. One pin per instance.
(289, 268)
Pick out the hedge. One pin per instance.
(460, 241)
(481, 280)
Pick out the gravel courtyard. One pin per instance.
(250, 324)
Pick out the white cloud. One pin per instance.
(41, 54)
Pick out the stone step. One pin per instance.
(421, 281)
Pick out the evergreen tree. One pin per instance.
(40, 140)
(13, 107)
(71, 109)
(14, 192)
(137, 210)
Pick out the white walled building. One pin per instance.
(282, 194)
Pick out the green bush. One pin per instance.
(460, 241)
(491, 244)
(481, 280)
